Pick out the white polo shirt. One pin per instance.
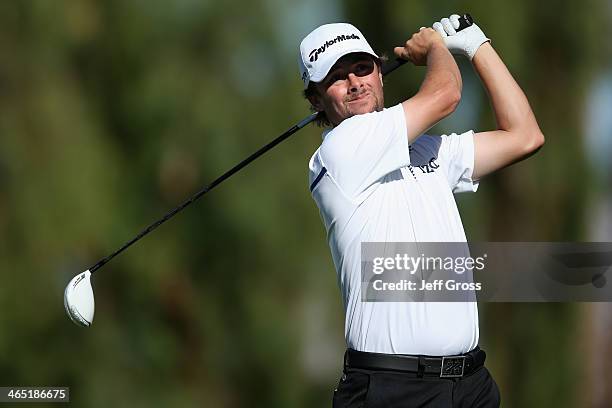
(371, 187)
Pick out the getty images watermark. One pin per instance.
(486, 271)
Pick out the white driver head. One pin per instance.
(79, 299)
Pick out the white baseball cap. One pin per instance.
(320, 49)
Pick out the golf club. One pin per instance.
(78, 296)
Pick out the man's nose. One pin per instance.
(354, 82)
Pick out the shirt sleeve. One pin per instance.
(365, 148)
(457, 153)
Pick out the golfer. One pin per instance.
(376, 177)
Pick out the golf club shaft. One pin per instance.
(209, 187)
(465, 21)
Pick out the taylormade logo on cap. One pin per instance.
(314, 54)
(320, 49)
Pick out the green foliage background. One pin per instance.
(113, 112)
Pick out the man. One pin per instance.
(377, 178)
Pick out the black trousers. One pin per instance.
(388, 389)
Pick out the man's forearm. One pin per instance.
(443, 77)
(440, 91)
(510, 105)
(518, 135)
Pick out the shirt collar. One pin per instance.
(326, 132)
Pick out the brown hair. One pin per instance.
(321, 120)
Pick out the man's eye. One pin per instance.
(338, 76)
(363, 69)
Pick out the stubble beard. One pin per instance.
(374, 101)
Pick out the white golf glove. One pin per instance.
(464, 42)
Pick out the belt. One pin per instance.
(423, 366)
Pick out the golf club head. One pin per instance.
(79, 299)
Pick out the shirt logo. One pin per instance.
(314, 54)
(429, 167)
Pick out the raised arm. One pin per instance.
(517, 135)
(440, 91)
